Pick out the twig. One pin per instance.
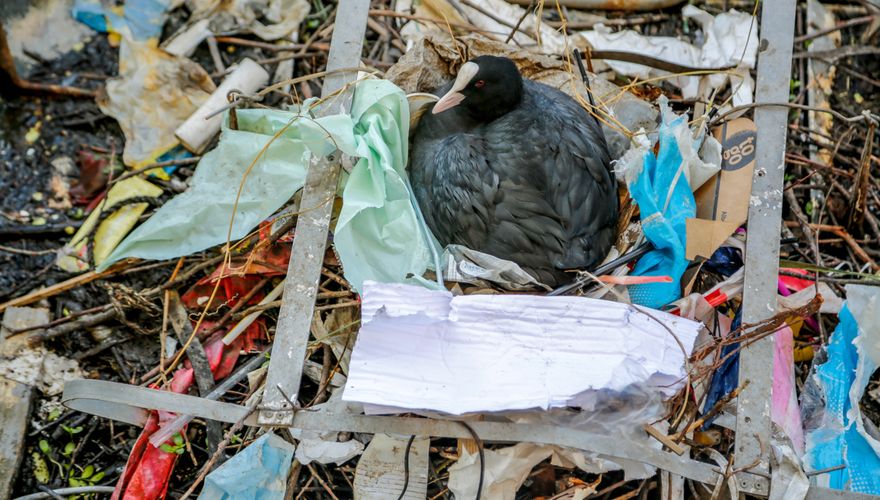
(339, 305)
(84, 322)
(161, 164)
(865, 116)
(218, 452)
(858, 206)
(79, 490)
(234, 309)
(292, 479)
(21, 251)
(853, 244)
(196, 354)
(496, 18)
(61, 321)
(826, 470)
(521, 19)
(64, 286)
(846, 24)
(7, 64)
(391, 13)
(835, 54)
(321, 481)
(795, 207)
(624, 21)
(268, 46)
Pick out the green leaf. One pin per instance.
(41, 468)
(87, 472)
(809, 208)
(68, 449)
(167, 448)
(98, 477)
(44, 446)
(54, 414)
(72, 430)
(178, 439)
(74, 482)
(180, 450)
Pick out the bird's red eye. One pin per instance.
(479, 84)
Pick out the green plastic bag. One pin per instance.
(379, 235)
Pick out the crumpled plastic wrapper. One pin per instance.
(696, 169)
(324, 447)
(477, 268)
(838, 431)
(434, 60)
(533, 33)
(46, 30)
(140, 20)
(284, 16)
(154, 93)
(506, 469)
(731, 39)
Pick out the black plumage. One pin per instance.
(516, 169)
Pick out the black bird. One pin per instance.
(514, 168)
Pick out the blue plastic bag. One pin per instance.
(842, 379)
(142, 19)
(665, 201)
(259, 472)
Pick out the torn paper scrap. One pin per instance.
(424, 349)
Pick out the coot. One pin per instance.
(514, 168)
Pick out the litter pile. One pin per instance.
(154, 165)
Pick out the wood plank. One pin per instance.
(381, 472)
(16, 396)
(310, 240)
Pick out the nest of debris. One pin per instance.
(92, 112)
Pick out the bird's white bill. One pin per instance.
(466, 73)
(451, 99)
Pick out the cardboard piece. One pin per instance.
(723, 201)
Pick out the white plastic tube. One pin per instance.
(198, 130)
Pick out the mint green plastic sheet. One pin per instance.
(378, 235)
